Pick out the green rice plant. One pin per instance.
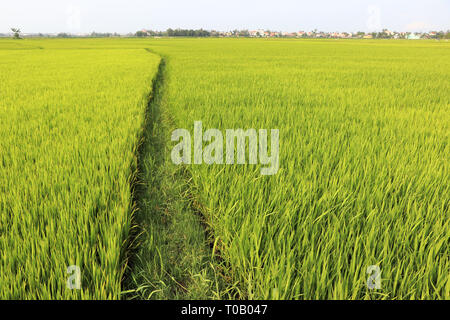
(364, 171)
(70, 121)
(363, 179)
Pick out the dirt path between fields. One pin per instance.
(169, 255)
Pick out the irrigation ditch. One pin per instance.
(170, 252)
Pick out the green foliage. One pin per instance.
(141, 34)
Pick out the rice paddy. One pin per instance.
(363, 175)
(70, 122)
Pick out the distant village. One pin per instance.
(384, 34)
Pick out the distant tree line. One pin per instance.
(176, 33)
(424, 35)
(92, 35)
(385, 34)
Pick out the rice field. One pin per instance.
(70, 121)
(363, 178)
(364, 163)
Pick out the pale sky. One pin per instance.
(123, 16)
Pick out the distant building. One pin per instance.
(413, 36)
(257, 33)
